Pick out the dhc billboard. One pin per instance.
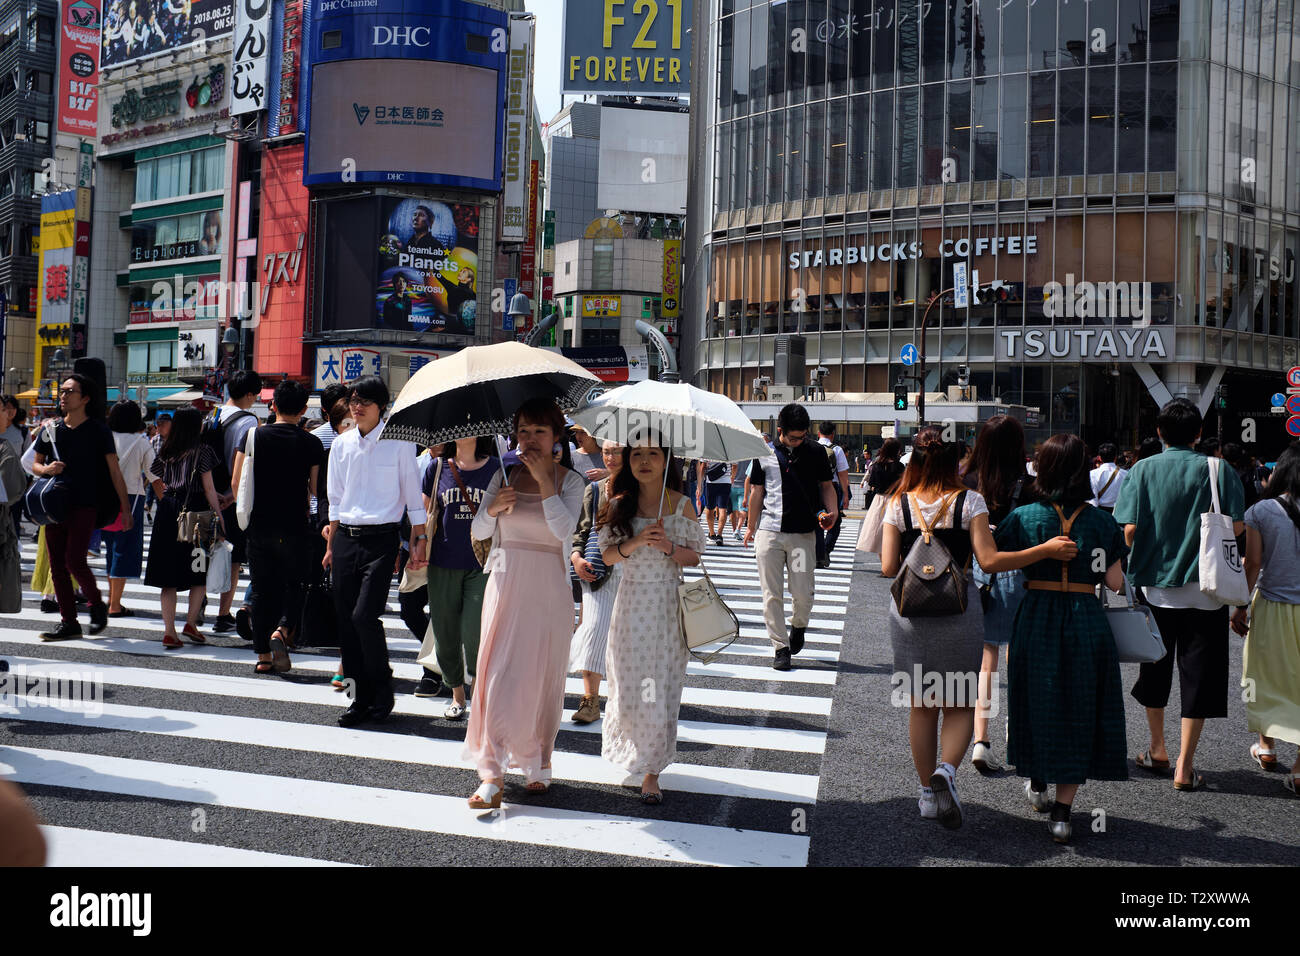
(404, 92)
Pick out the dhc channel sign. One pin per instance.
(425, 78)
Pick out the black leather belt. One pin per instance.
(365, 530)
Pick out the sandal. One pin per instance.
(171, 642)
(125, 612)
(193, 634)
(541, 784)
(454, 711)
(652, 799)
(337, 682)
(1198, 783)
(486, 797)
(264, 667)
(1266, 758)
(279, 656)
(1147, 762)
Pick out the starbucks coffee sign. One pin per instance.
(1107, 343)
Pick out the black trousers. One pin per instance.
(412, 606)
(1198, 640)
(826, 539)
(276, 567)
(363, 576)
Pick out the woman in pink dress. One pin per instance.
(527, 610)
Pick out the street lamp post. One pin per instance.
(920, 397)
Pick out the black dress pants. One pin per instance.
(363, 576)
(1198, 641)
(276, 572)
(826, 539)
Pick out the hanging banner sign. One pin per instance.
(248, 92)
(78, 78)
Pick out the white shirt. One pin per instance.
(135, 457)
(841, 463)
(326, 434)
(1099, 476)
(373, 481)
(1188, 596)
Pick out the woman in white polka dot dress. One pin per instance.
(647, 656)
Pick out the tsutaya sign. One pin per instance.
(897, 251)
(1117, 343)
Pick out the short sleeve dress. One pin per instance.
(1065, 700)
(645, 643)
(171, 562)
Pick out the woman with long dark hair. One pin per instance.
(937, 658)
(651, 533)
(527, 620)
(1066, 704)
(997, 472)
(1271, 657)
(183, 473)
(885, 470)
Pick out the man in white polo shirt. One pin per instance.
(1107, 478)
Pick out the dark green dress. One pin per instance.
(1065, 702)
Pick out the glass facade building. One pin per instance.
(1126, 167)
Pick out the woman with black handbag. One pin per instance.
(599, 586)
(182, 480)
(936, 622)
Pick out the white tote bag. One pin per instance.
(1133, 626)
(219, 567)
(870, 535)
(1223, 578)
(244, 494)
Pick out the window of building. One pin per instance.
(815, 81)
(6, 240)
(932, 49)
(1101, 120)
(177, 237)
(740, 64)
(1162, 110)
(1042, 124)
(860, 12)
(1015, 36)
(1071, 120)
(987, 19)
(739, 162)
(722, 168)
(776, 148)
(882, 57)
(1043, 53)
(602, 263)
(40, 30)
(815, 154)
(859, 142)
(6, 184)
(1131, 120)
(757, 153)
(143, 358)
(837, 61)
(726, 53)
(778, 48)
(8, 83)
(1011, 163)
(794, 164)
(932, 130)
(909, 116)
(1072, 34)
(181, 174)
(882, 136)
(9, 34)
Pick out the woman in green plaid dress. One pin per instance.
(1066, 705)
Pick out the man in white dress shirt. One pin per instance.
(1107, 479)
(371, 484)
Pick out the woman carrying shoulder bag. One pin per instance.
(182, 475)
(1271, 657)
(1065, 700)
(937, 657)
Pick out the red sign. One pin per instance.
(548, 288)
(1293, 425)
(1293, 377)
(292, 43)
(528, 255)
(78, 76)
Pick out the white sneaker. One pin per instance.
(944, 784)
(984, 760)
(929, 809)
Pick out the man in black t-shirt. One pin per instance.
(285, 462)
(81, 449)
(790, 495)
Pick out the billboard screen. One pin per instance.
(643, 160)
(370, 117)
(411, 91)
(409, 265)
(627, 47)
(134, 29)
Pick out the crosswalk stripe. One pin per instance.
(652, 839)
(403, 748)
(321, 694)
(72, 846)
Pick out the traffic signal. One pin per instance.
(900, 398)
(1222, 398)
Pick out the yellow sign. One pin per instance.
(597, 306)
(57, 229)
(670, 303)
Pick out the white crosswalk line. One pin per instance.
(70, 846)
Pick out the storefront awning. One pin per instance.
(184, 397)
(156, 393)
(28, 396)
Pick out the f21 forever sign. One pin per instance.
(627, 47)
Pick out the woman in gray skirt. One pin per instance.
(937, 659)
(592, 636)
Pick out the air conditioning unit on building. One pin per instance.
(791, 361)
(782, 393)
(959, 393)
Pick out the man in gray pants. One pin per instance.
(790, 495)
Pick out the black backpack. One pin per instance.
(716, 471)
(213, 435)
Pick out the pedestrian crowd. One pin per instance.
(1054, 558)
(497, 547)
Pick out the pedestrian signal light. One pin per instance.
(900, 398)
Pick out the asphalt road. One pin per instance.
(866, 804)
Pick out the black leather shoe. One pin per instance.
(796, 639)
(49, 606)
(98, 618)
(382, 707)
(428, 687)
(782, 662)
(225, 624)
(355, 714)
(66, 631)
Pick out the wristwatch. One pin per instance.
(421, 537)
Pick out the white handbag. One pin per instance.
(218, 580)
(1137, 636)
(872, 525)
(1222, 576)
(428, 656)
(244, 494)
(705, 617)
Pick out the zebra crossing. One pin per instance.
(189, 758)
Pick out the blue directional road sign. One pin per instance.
(1278, 400)
(908, 354)
(961, 297)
